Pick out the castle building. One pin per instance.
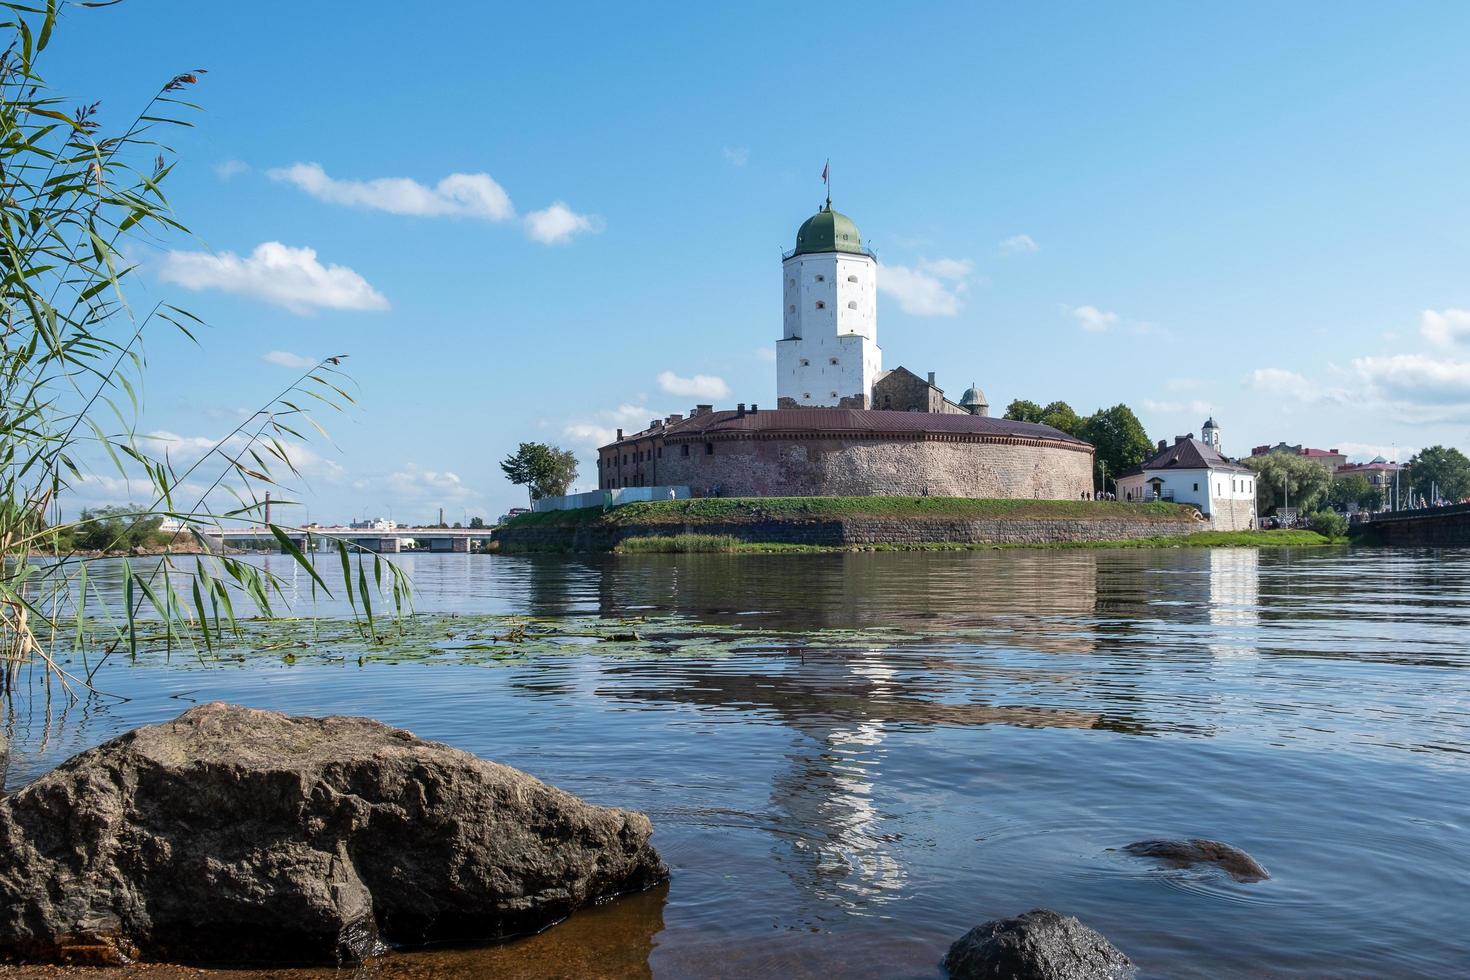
(842, 424)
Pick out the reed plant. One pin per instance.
(79, 201)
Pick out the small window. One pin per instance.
(660, 452)
(1196, 486)
(832, 360)
(852, 304)
(686, 450)
(852, 278)
(709, 449)
(834, 394)
(821, 305)
(791, 282)
(821, 278)
(791, 308)
(806, 394)
(805, 362)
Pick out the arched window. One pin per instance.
(821, 278)
(832, 360)
(805, 362)
(821, 305)
(852, 278)
(791, 308)
(852, 304)
(806, 394)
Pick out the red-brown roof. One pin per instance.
(856, 422)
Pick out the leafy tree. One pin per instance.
(1442, 469)
(116, 529)
(1059, 415)
(476, 523)
(1118, 438)
(1355, 489)
(1285, 479)
(1022, 410)
(545, 471)
(1328, 523)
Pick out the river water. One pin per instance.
(875, 752)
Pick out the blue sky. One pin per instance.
(1260, 211)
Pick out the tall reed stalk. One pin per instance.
(77, 202)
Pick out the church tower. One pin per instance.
(828, 355)
(1209, 434)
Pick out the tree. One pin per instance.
(1022, 410)
(1285, 479)
(1059, 415)
(1118, 438)
(545, 471)
(476, 523)
(1354, 490)
(1441, 470)
(116, 528)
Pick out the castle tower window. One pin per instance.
(832, 360)
(791, 308)
(821, 278)
(805, 362)
(821, 305)
(685, 447)
(852, 278)
(852, 304)
(709, 449)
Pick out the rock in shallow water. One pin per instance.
(1038, 945)
(1187, 853)
(235, 835)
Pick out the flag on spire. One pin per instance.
(825, 165)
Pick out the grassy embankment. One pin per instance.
(749, 510)
(725, 544)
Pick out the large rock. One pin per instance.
(1038, 945)
(1196, 851)
(234, 835)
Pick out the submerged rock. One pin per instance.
(235, 835)
(1038, 945)
(1187, 853)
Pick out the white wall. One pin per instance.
(1202, 488)
(829, 346)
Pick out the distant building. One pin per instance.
(1328, 459)
(374, 524)
(1194, 472)
(1380, 473)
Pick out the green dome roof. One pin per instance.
(828, 231)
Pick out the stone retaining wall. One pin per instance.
(853, 531)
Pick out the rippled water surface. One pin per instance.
(867, 754)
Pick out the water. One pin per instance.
(895, 747)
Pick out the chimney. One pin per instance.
(676, 417)
(620, 435)
(653, 423)
(740, 410)
(1163, 444)
(1179, 439)
(931, 377)
(703, 409)
(753, 408)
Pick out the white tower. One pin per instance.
(828, 356)
(1209, 434)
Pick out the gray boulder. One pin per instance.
(230, 835)
(1038, 945)
(1187, 853)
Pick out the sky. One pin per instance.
(542, 222)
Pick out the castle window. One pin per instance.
(709, 449)
(685, 449)
(806, 394)
(821, 305)
(805, 362)
(791, 308)
(852, 278)
(833, 360)
(852, 304)
(834, 394)
(821, 278)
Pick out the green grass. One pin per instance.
(686, 544)
(742, 510)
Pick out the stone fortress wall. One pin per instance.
(919, 465)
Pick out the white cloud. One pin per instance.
(1361, 452)
(288, 359)
(1284, 384)
(767, 354)
(1445, 328)
(929, 288)
(1019, 244)
(1195, 406)
(456, 196)
(280, 274)
(226, 169)
(589, 435)
(699, 386)
(182, 449)
(557, 224)
(1416, 379)
(1092, 319)
(736, 156)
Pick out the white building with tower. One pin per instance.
(1194, 471)
(828, 355)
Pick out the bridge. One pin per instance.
(438, 539)
(1428, 527)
